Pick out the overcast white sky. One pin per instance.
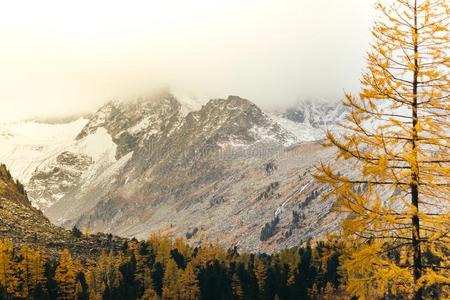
(64, 57)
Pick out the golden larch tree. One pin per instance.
(8, 271)
(31, 271)
(142, 273)
(149, 294)
(66, 276)
(171, 287)
(161, 245)
(260, 271)
(103, 275)
(189, 285)
(208, 254)
(396, 144)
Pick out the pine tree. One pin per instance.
(330, 292)
(103, 276)
(397, 140)
(189, 288)
(76, 232)
(183, 248)
(313, 292)
(161, 246)
(170, 282)
(8, 278)
(209, 254)
(96, 287)
(142, 273)
(149, 294)
(238, 293)
(31, 272)
(260, 274)
(66, 276)
(24, 271)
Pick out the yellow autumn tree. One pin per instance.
(103, 276)
(8, 278)
(189, 285)
(171, 287)
(149, 294)
(142, 273)
(66, 276)
(96, 287)
(290, 258)
(31, 271)
(161, 246)
(208, 254)
(183, 248)
(260, 274)
(396, 191)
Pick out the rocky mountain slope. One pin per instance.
(223, 170)
(23, 224)
(308, 119)
(26, 145)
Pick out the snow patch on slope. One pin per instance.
(267, 134)
(25, 146)
(302, 132)
(97, 145)
(81, 159)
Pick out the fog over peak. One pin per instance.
(61, 59)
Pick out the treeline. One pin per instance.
(19, 186)
(164, 269)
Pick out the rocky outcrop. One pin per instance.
(23, 224)
(318, 113)
(49, 183)
(132, 123)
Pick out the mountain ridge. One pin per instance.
(136, 164)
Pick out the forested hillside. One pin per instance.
(164, 269)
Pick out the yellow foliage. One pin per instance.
(66, 275)
(31, 270)
(171, 287)
(189, 285)
(397, 199)
(103, 275)
(8, 278)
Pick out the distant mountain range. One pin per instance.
(221, 170)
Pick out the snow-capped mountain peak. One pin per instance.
(134, 162)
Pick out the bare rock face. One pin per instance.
(131, 123)
(223, 171)
(50, 183)
(318, 113)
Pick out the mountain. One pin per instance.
(308, 119)
(23, 224)
(26, 145)
(316, 113)
(222, 170)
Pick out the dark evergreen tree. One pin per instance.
(76, 232)
(215, 282)
(157, 276)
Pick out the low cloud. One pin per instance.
(63, 59)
